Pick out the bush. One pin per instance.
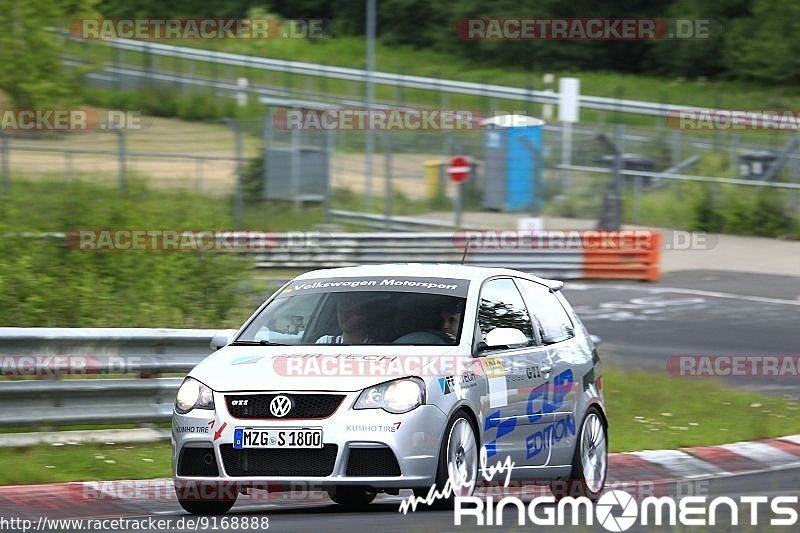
(43, 282)
(706, 218)
(253, 179)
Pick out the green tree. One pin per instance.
(699, 56)
(765, 46)
(32, 74)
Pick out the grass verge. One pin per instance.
(85, 462)
(653, 411)
(646, 411)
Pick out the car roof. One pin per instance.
(432, 270)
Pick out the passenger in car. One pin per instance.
(357, 314)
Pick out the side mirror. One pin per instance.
(221, 339)
(505, 338)
(595, 340)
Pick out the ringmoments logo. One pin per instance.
(617, 510)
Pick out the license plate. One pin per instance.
(277, 438)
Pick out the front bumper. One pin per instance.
(413, 438)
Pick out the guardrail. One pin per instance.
(395, 80)
(562, 254)
(395, 223)
(50, 354)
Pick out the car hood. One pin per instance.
(311, 368)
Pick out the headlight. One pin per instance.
(193, 395)
(399, 396)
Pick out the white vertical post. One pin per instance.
(241, 92)
(568, 112)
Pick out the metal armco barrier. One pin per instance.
(629, 254)
(396, 223)
(396, 80)
(35, 362)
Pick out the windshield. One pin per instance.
(360, 311)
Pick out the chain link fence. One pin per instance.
(729, 176)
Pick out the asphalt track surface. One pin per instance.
(642, 325)
(695, 313)
(303, 514)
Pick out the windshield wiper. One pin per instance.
(262, 342)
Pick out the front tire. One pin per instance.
(351, 497)
(459, 453)
(205, 497)
(206, 507)
(589, 462)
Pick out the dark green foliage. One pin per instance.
(44, 282)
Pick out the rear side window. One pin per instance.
(554, 322)
(501, 306)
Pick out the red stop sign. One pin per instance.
(459, 169)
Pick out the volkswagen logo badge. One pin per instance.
(280, 406)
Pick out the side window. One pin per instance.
(548, 312)
(501, 306)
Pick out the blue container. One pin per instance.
(513, 162)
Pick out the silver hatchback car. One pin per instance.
(379, 378)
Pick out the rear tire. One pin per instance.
(351, 497)
(589, 462)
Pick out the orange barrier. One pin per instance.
(636, 258)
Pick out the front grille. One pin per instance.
(197, 462)
(268, 462)
(303, 405)
(368, 462)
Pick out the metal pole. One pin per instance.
(459, 203)
(611, 211)
(328, 175)
(370, 97)
(295, 170)
(566, 154)
(238, 197)
(122, 156)
(4, 161)
(266, 143)
(387, 174)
